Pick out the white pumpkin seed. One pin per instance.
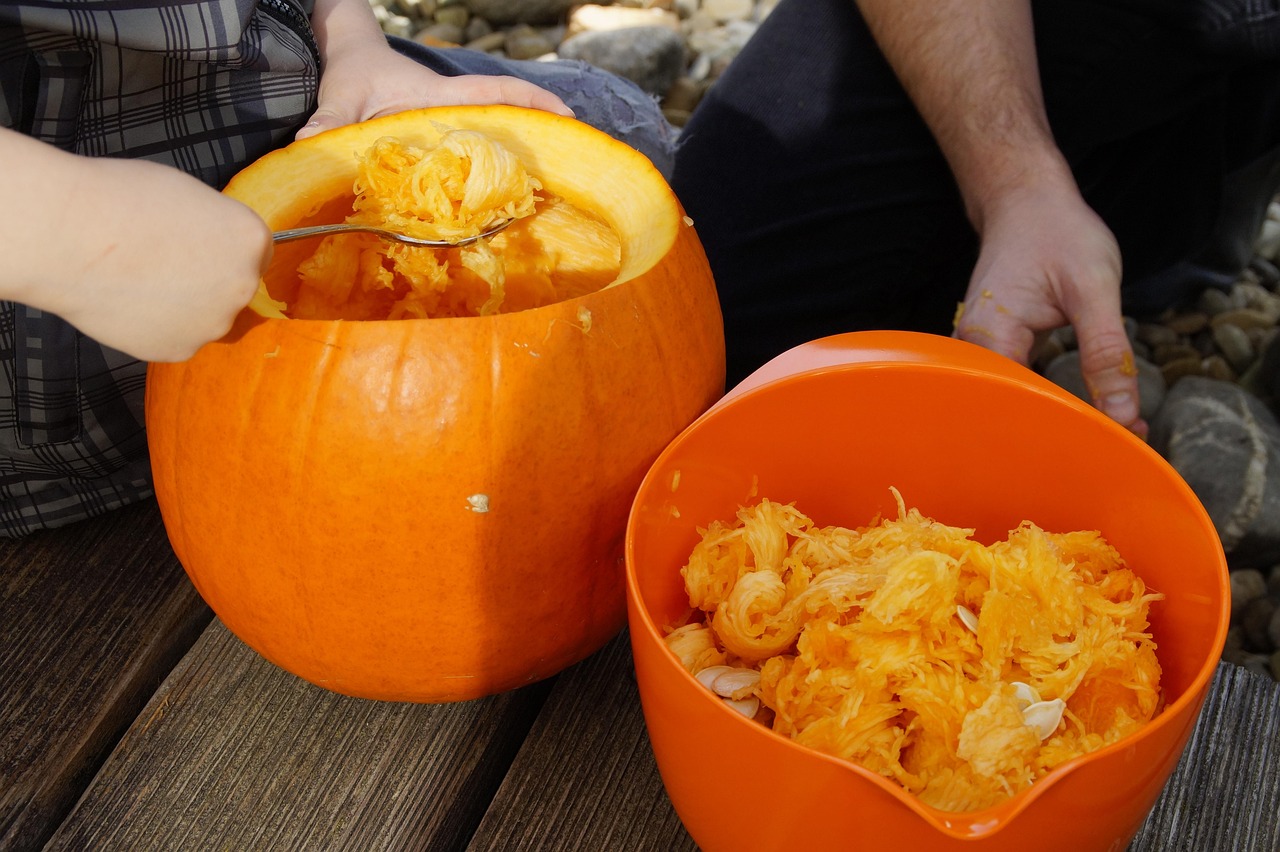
(970, 620)
(1024, 694)
(1045, 716)
(736, 683)
(747, 707)
(708, 676)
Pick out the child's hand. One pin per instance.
(363, 77)
(138, 256)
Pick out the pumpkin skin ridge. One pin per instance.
(510, 608)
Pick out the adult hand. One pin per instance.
(138, 256)
(363, 77)
(1048, 260)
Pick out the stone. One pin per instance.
(650, 57)
(1226, 444)
(1247, 585)
(1156, 335)
(594, 18)
(437, 35)
(477, 28)
(1267, 243)
(494, 41)
(456, 15)
(1234, 344)
(1168, 352)
(1213, 301)
(1256, 621)
(1273, 629)
(503, 12)
(1188, 323)
(525, 42)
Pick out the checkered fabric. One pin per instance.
(202, 85)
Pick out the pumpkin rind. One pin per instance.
(433, 510)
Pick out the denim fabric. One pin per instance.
(605, 101)
(826, 206)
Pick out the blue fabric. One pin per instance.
(605, 101)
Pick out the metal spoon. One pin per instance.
(326, 230)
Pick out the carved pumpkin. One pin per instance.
(434, 509)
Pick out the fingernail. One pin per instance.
(1120, 407)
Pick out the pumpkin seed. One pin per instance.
(1025, 694)
(747, 707)
(1045, 716)
(970, 620)
(708, 676)
(736, 683)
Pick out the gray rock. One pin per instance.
(1226, 444)
(503, 12)
(650, 57)
(1256, 621)
(1064, 371)
(1247, 584)
(525, 42)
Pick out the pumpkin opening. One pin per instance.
(452, 187)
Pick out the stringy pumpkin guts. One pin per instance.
(962, 671)
(458, 188)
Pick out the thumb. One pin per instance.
(1106, 361)
(324, 118)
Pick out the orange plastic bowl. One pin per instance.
(971, 439)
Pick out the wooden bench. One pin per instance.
(133, 720)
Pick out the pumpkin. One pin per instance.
(433, 509)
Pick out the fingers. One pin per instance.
(321, 120)
(1110, 374)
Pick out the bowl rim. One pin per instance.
(959, 824)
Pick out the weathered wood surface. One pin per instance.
(1225, 793)
(230, 752)
(235, 753)
(90, 623)
(586, 778)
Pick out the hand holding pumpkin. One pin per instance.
(363, 77)
(138, 256)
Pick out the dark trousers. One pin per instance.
(826, 206)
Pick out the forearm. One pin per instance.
(970, 67)
(344, 25)
(45, 179)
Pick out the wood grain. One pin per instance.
(91, 620)
(235, 753)
(586, 778)
(1225, 793)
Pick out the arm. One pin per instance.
(363, 77)
(1046, 258)
(108, 245)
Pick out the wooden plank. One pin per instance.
(92, 617)
(235, 753)
(586, 778)
(1225, 793)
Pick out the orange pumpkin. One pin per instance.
(433, 509)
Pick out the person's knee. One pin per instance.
(615, 105)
